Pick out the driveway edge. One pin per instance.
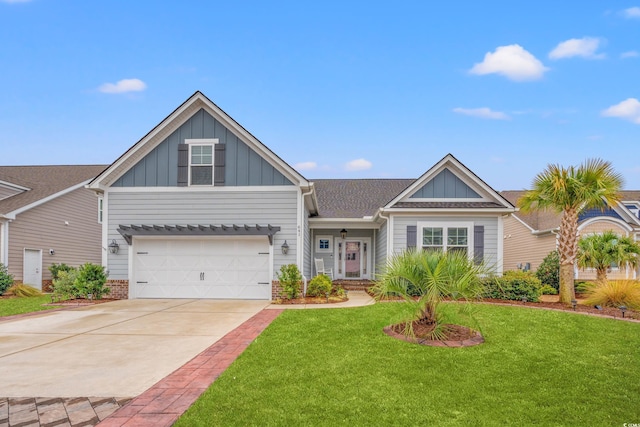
(163, 403)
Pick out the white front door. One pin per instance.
(32, 268)
(354, 258)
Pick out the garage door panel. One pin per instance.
(202, 268)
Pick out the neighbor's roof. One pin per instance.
(549, 219)
(42, 182)
(355, 198)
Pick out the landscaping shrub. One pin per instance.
(337, 291)
(91, 280)
(513, 285)
(64, 287)
(6, 279)
(290, 278)
(319, 286)
(582, 287)
(22, 290)
(549, 270)
(548, 290)
(614, 293)
(55, 269)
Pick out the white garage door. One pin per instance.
(201, 268)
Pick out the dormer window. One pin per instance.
(201, 164)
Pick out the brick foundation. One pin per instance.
(276, 290)
(119, 289)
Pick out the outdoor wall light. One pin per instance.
(285, 248)
(574, 303)
(114, 247)
(343, 233)
(623, 309)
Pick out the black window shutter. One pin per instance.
(411, 236)
(218, 164)
(183, 165)
(478, 243)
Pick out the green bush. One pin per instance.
(319, 286)
(549, 270)
(513, 286)
(55, 269)
(582, 287)
(91, 280)
(290, 278)
(337, 291)
(548, 290)
(64, 287)
(6, 279)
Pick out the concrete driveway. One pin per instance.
(118, 348)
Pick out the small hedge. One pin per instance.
(86, 281)
(513, 286)
(6, 279)
(319, 286)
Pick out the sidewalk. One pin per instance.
(356, 299)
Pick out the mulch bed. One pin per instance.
(580, 308)
(456, 335)
(311, 300)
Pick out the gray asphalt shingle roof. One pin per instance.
(356, 198)
(42, 181)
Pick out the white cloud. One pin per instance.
(629, 109)
(306, 166)
(632, 12)
(483, 113)
(513, 62)
(585, 47)
(629, 54)
(358, 165)
(123, 86)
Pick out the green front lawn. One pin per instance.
(11, 306)
(336, 367)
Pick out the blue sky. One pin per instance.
(343, 89)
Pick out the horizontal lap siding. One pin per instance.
(43, 227)
(277, 208)
(520, 246)
(381, 248)
(490, 224)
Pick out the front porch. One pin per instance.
(354, 285)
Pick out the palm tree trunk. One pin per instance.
(601, 275)
(568, 250)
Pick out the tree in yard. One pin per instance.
(570, 191)
(601, 251)
(424, 278)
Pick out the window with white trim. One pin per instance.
(100, 209)
(323, 244)
(446, 236)
(201, 164)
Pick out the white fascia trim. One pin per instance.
(450, 199)
(332, 223)
(13, 186)
(500, 260)
(207, 189)
(531, 229)
(448, 210)
(203, 141)
(12, 214)
(617, 221)
(623, 210)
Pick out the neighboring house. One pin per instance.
(47, 217)
(199, 208)
(528, 238)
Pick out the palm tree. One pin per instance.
(570, 191)
(424, 278)
(600, 251)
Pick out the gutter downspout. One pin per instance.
(301, 234)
